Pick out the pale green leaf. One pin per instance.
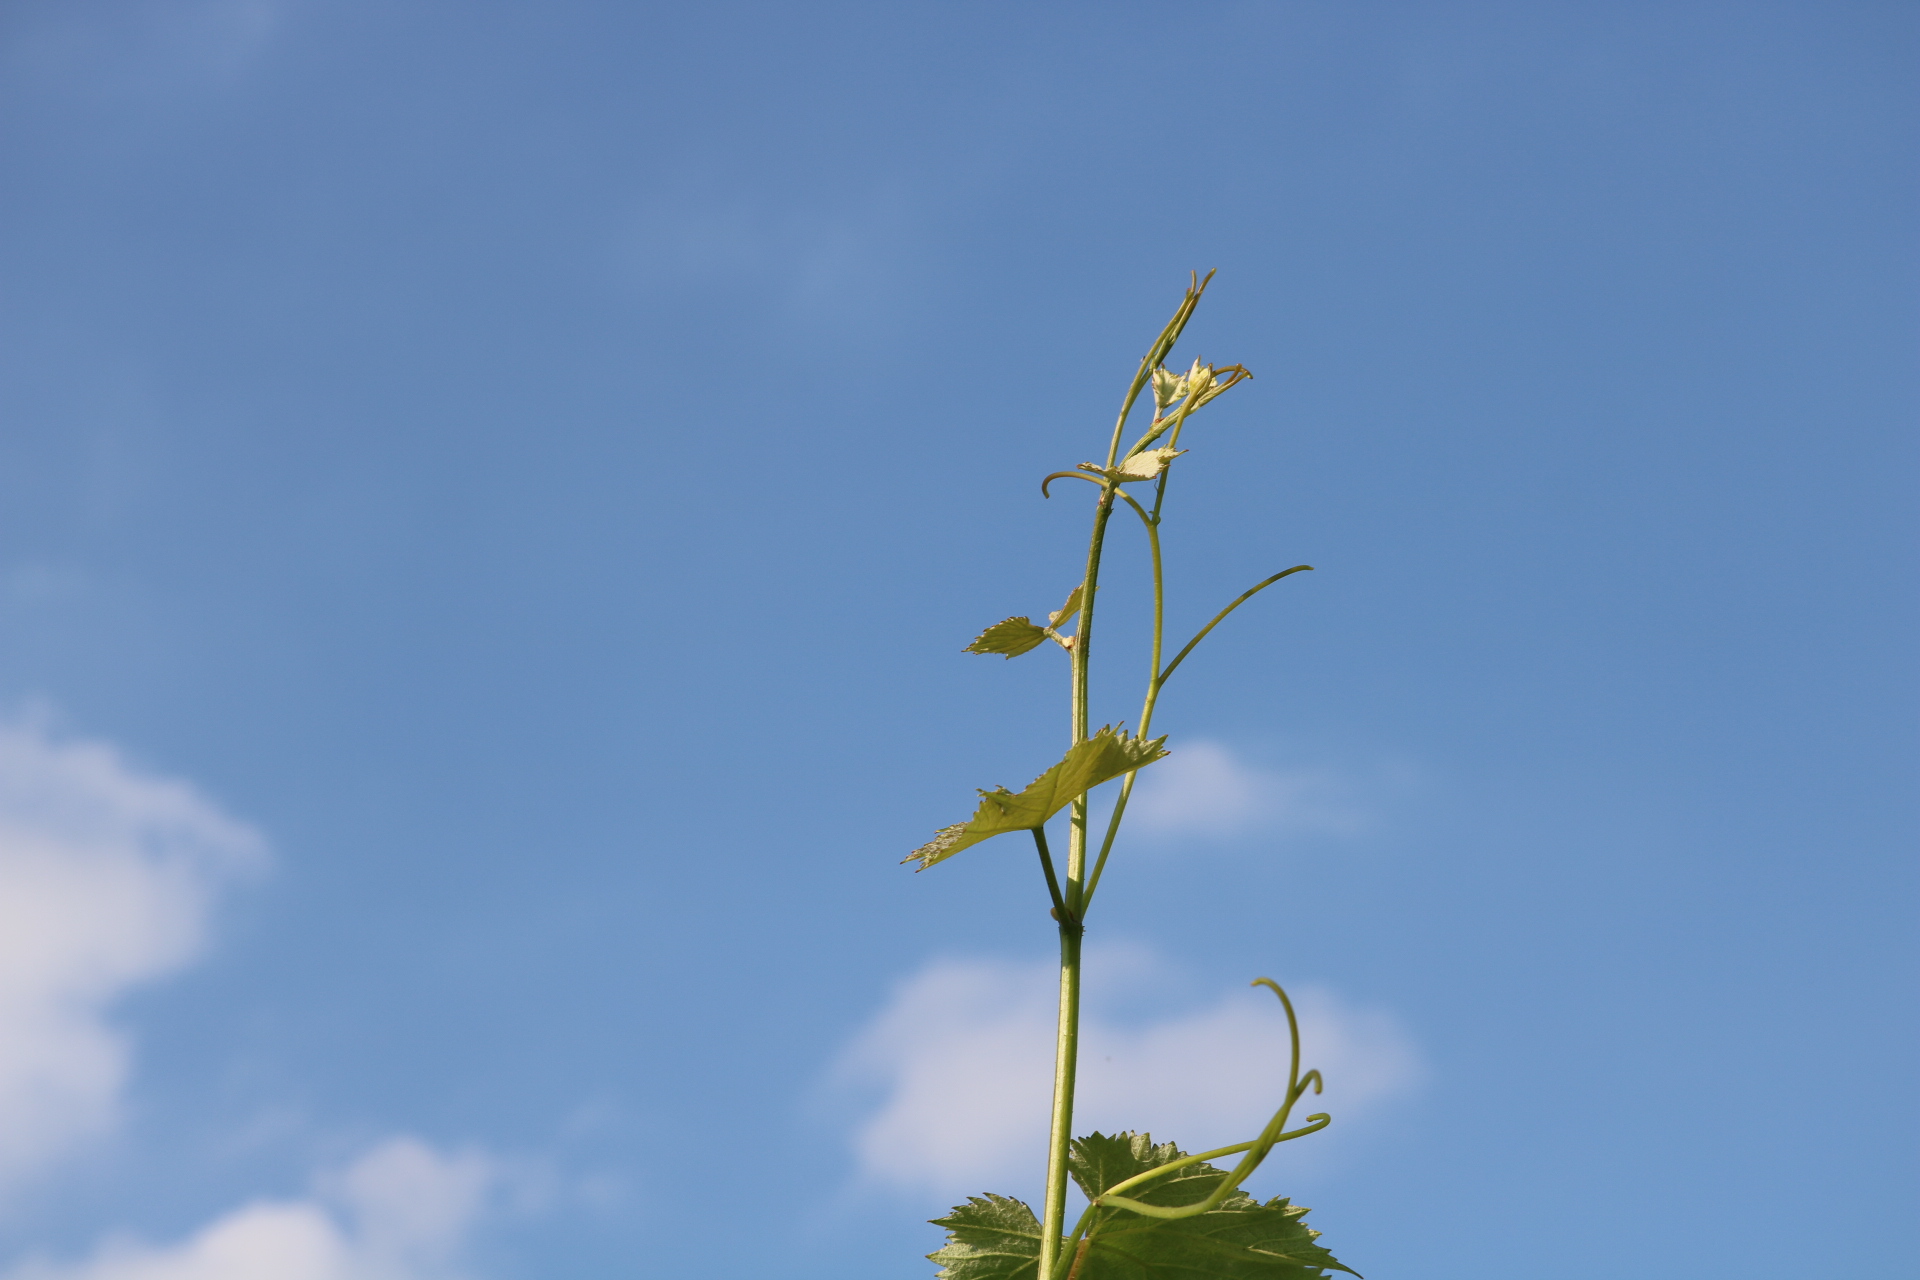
(1240, 1239)
(1200, 383)
(1064, 614)
(1013, 637)
(989, 1238)
(1104, 756)
(1148, 463)
(1168, 387)
(1144, 465)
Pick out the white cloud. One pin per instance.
(401, 1212)
(1203, 788)
(107, 879)
(964, 1051)
(107, 876)
(963, 1057)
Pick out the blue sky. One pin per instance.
(492, 496)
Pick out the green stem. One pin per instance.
(1159, 680)
(1160, 496)
(1066, 1056)
(1152, 523)
(1060, 911)
(1082, 655)
(1067, 1039)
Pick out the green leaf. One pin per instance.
(1099, 1162)
(1240, 1239)
(1013, 637)
(1064, 614)
(989, 1238)
(1101, 758)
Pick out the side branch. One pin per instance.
(1053, 881)
(1245, 596)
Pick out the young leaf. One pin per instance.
(1013, 637)
(1241, 1239)
(989, 1238)
(1144, 465)
(1101, 758)
(1064, 614)
(1168, 387)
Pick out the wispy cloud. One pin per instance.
(403, 1211)
(1204, 788)
(808, 258)
(962, 1057)
(107, 877)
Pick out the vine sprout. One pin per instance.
(1146, 1204)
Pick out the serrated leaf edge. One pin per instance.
(1000, 802)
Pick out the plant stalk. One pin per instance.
(1067, 1032)
(1066, 1054)
(1152, 523)
(1075, 892)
